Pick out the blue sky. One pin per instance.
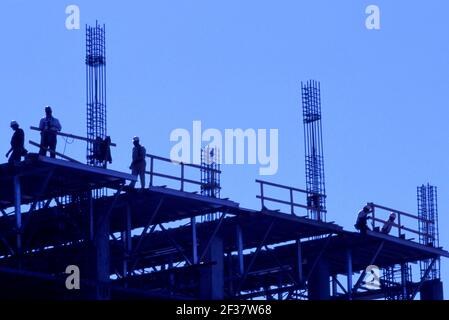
(239, 64)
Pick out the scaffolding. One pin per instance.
(314, 155)
(428, 226)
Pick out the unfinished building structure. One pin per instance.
(178, 239)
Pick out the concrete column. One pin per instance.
(102, 253)
(432, 290)
(319, 282)
(212, 276)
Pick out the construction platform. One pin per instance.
(156, 243)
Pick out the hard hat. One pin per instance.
(393, 215)
(48, 108)
(136, 139)
(14, 123)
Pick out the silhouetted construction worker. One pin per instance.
(362, 219)
(17, 150)
(139, 164)
(49, 126)
(389, 224)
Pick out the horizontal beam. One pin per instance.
(72, 136)
(55, 152)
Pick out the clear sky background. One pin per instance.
(239, 64)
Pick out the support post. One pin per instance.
(334, 286)
(240, 249)
(102, 259)
(18, 212)
(91, 217)
(404, 279)
(349, 266)
(318, 284)
(299, 261)
(212, 276)
(194, 241)
(127, 243)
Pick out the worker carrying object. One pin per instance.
(139, 164)
(49, 126)
(389, 224)
(362, 219)
(17, 150)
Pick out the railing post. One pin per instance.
(292, 202)
(151, 171)
(374, 217)
(399, 224)
(261, 195)
(182, 176)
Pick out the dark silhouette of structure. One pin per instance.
(150, 244)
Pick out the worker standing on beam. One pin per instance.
(49, 126)
(17, 144)
(139, 163)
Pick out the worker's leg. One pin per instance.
(364, 229)
(15, 157)
(134, 173)
(52, 140)
(142, 179)
(44, 145)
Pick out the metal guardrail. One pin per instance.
(291, 196)
(182, 174)
(398, 224)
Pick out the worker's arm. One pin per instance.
(57, 125)
(8, 153)
(41, 124)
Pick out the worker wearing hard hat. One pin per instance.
(389, 224)
(49, 126)
(17, 144)
(362, 219)
(138, 164)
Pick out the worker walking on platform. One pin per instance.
(17, 150)
(362, 220)
(389, 224)
(49, 126)
(139, 163)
